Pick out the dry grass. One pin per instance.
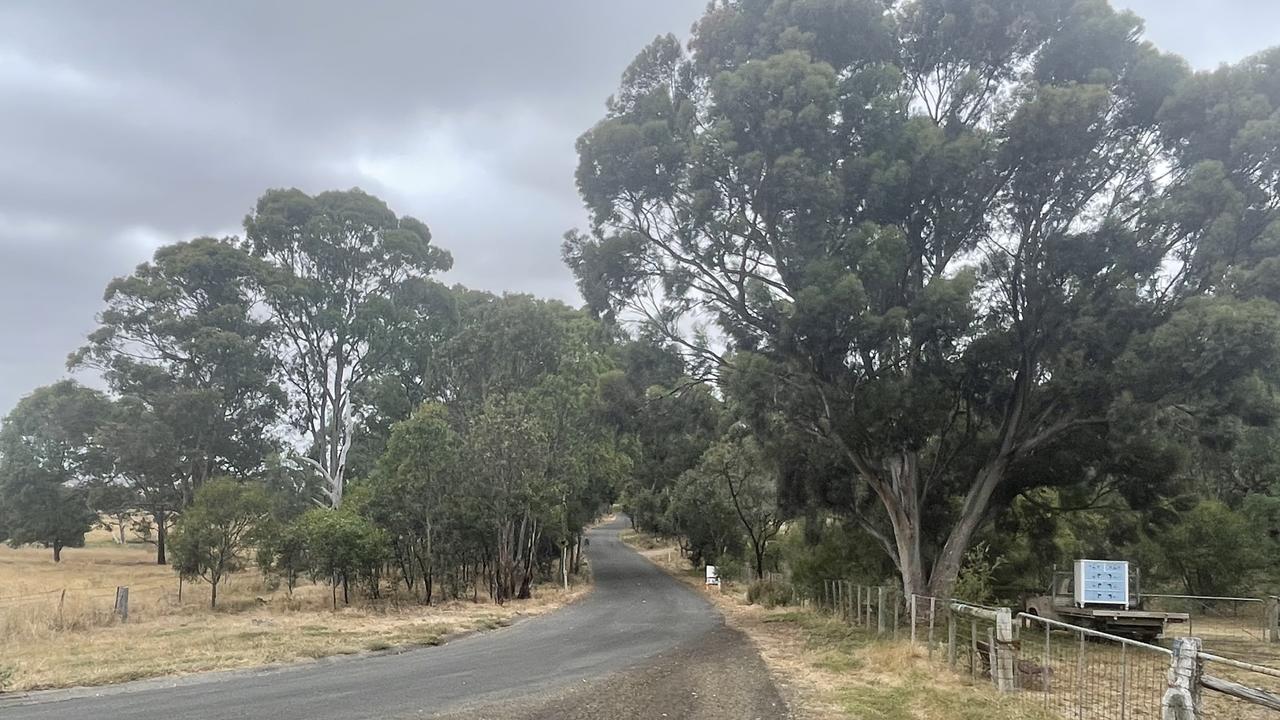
(45, 643)
(832, 670)
(828, 670)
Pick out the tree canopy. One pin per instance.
(182, 347)
(964, 249)
(343, 276)
(47, 449)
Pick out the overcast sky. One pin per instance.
(130, 124)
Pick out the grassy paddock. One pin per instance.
(49, 639)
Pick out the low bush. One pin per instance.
(770, 593)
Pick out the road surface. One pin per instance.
(641, 644)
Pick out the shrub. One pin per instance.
(976, 583)
(820, 549)
(282, 553)
(341, 546)
(211, 538)
(731, 569)
(770, 593)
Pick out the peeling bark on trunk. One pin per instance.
(947, 566)
(899, 492)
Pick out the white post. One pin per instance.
(913, 619)
(951, 640)
(1182, 693)
(1008, 661)
(880, 610)
(933, 613)
(564, 566)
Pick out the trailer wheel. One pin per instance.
(1027, 624)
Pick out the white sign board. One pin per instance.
(1102, 582)
(713, 575)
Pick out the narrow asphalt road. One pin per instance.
(640, 645)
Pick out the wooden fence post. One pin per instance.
(122, 603)
(880, 610)
(1181, 699)
(913, 620)
(933, 613)
(897, 608)
(1273, 619)
(951, 640)
(993, 660)
(1005, 645)
(973, 648)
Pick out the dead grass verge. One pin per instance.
(53, 640)
(829, 670)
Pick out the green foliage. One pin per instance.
(282, 552)
(340, 546)
(667, 424)
(345, 281)
(212, 537)
(1209, 550)
(418, 497)
(819, 549)
(179, 339)
(957, 252)
(181, 345)
(739, 465)
(976, 582)
(507, 470)
(701, 512)
(770, 593)
(47, 449)
(478, 431)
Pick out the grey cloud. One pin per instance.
(1209, 32)
(129, 124)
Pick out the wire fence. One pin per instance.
(1216, 620)
(1237, 690)
(33, 616)
(1087, 674)
(1060, 670)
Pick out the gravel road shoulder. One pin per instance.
(718, 676)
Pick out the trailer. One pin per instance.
(1102, 595)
